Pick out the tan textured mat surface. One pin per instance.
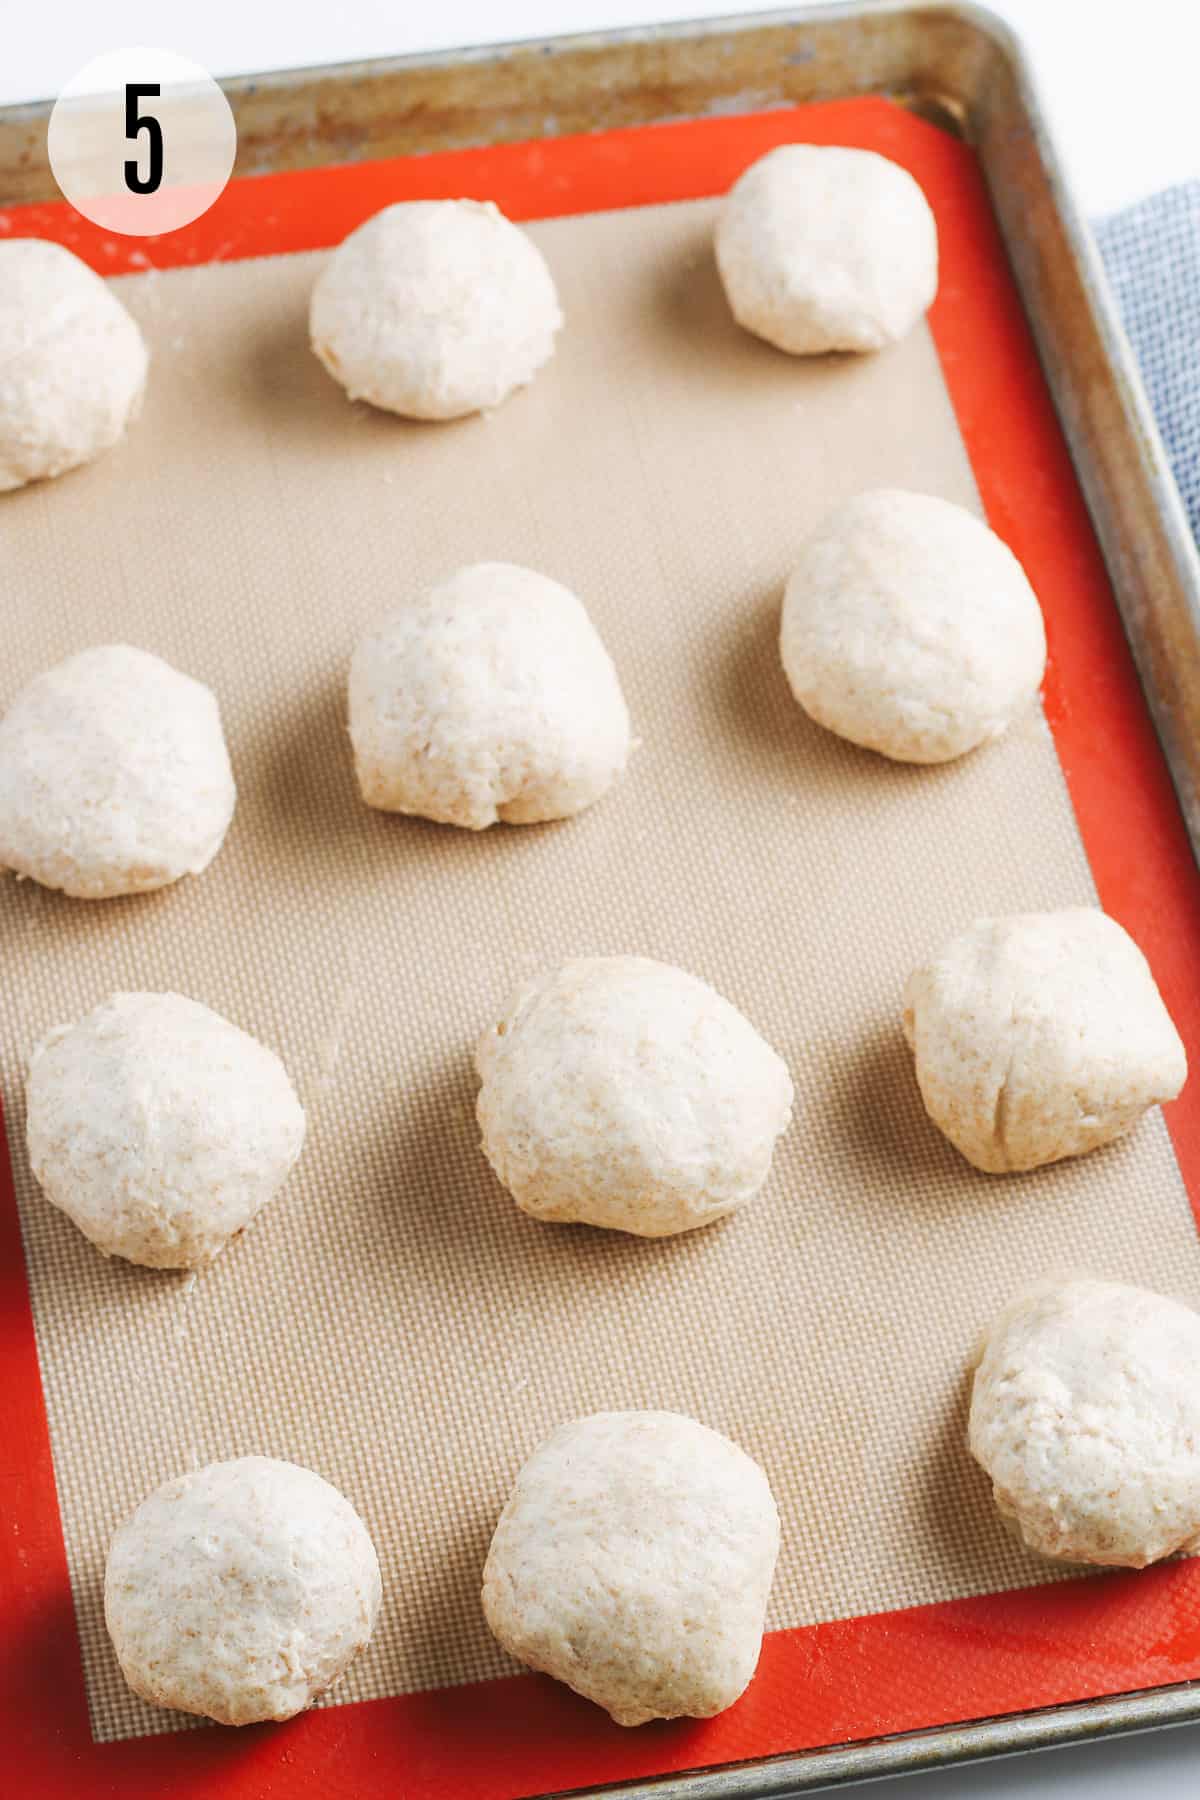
(392, 1320)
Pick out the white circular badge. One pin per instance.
(141, 141)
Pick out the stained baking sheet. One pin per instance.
(392, 1320)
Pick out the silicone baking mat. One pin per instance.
(392, 1320)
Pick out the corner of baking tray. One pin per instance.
(1119, 455)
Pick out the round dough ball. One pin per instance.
(621, 1092)
(488, 697)
(1040, 1036)
(72, 363)
(910, 628)
(114, 776)
(240, 1591)
(435, 308)
(827, 249)
(1085, 1412)
(634, 1562)
(159, 1127)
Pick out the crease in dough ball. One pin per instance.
(240, 1591)
(1040, 1036)
(489, 697)
(634, 1562)
(159, 1128)
(1085, 1413)
(822, 248)
(621, 1092)
(72, 363)
(114, 776)
(910, 628)
(435, 309)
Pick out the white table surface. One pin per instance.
(1118, 79)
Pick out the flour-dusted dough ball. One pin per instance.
(1040, 1036)
(827, 249)
(910, 628)
(435, 308)
(240, 1591)
(114, 776)
(622, 1092)
(159, 1127)
(488, 697)
(1085, 1412)
(634, 1562)
(72, 363)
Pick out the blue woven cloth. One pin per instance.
(1151, 252)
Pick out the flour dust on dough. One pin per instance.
(158, 1127)
(634, 1562)
(435, 309)
(910, 628)
(114, 776)
(622, 1092)
(241, 1591)
(1085, 1413)
(487, 698)
(1040, 1036)
(822, 248)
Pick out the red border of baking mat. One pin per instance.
(817, 1685)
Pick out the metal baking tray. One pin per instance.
(960, 67)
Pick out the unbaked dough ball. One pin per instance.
(1040, 1036)
(634, 1562)
(488, 697)
(435, 308)
(240, 1591)
(622, 1092)
(159, 1127)
(827, 249)
(114, 776)
(72, 363)
(910, 628)
(1085, 1412)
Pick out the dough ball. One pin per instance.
(72, 363)
(827, 249)
(634, 1562)
(1085, 1412)
(910, 628)
(240, 1591)
(1040, 1036)
(114, 776)
(160, 1128)
(435, 308)
(488, 697)
(625, 1093)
